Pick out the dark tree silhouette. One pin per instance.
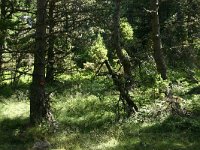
(39, 104)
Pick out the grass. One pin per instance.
(87, 120)
(13, 116)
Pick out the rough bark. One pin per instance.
(123, 81)
(130, 106)
(157, 45)
(2, 32)
(51, 41)
(189, 22)
(117, 43)
(39, 104)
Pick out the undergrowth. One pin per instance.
(86, 118)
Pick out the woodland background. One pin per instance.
(100, 74)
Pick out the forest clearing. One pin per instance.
(99, 75)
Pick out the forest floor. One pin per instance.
(86, 119)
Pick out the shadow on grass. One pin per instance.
(88, 117)
(84, 85)
(12, 134)
(7, 90)
(174, 133)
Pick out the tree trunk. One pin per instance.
(189, 22)
(130, 106)
(39, 104)
(2, 32)
(124, 81)
(1, 54)
(157, 45)
(51, 41)
(117, 44)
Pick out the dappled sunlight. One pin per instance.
(13, 118)
(85, 112)
(99, 75)
(111, 143)
(12, 135)
(13, 110)
(87, 123)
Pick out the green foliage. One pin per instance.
(83, 104)
(197, 50)
(7, 24)
(193, 104)
(87, 121)
(161, 84)
(6, 90)
(128, 39)
(91, 49)
(97, 53)
(126, 30)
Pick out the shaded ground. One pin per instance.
(90, 125)
(12, 136)
(86, 118)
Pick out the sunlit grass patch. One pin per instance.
(75, 139)
(85, 112)
(13, 116)
(14, 109)
(87, 120)
(110, 143)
